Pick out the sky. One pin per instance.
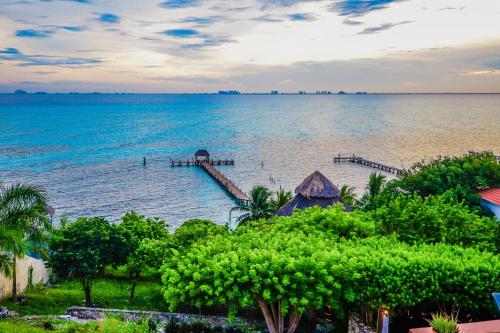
(185, 46)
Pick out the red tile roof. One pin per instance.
(491, 195)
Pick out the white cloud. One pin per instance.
(231, 40)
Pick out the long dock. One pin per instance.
(371, 164)
(225, 182)
(202, 159)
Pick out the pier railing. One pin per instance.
(208, 165)
(371, 164)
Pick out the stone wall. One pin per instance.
(160, 317)
(40, 275)
(356, 325)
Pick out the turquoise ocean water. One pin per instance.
(87, 149)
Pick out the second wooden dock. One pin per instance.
(372, 164)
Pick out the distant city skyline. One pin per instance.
(188, 46)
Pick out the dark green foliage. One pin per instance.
(464, 176)
(282, 197)
(295, 272)
(260, 206)
(436, 219)
(199, 327)
(194, 230)
(82, 249)
(149, 243)
(332, 222)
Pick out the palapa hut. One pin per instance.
(203, 154)
(315, 190)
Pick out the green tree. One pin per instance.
(463, 175)
(194, 230)
(286, 274)
(22, 210)
(436, 219)
(149, 238)
(84, 248)
(376, 184)
(282, 197)
(347, 194)
(259, 207)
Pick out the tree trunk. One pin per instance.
(87, 287)
(275, 320)
(132, 290)
(14, 280)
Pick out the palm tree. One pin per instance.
(282, 197)
(22, 210)
(259, 206)
(347, 194)
(375, 185)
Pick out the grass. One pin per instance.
(106, 293)
(62, 326)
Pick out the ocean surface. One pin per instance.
(87, 149)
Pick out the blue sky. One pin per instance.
(256, 45)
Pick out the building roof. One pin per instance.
(317, 185)
(301, 202)
(315, 190)
(491, 195)
(202, 152)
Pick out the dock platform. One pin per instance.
(202, 159)
(371, 164)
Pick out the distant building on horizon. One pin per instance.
(274, 92)
(20, 92)
(323, 92)
(302, 92)
(229, 92)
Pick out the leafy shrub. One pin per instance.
(436, 219)
(194, 230)
(288, 273)
(332, 222)
(463, 175)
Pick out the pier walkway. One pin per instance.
(225, 182)
(202, 159)
(372, 164)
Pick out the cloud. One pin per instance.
(267, 18)
(79, 1)
(382, 27)
(351, 22)
(179, 3)
(190, 79)
(302, 17)
(284, 3)
(109, 18)
(10, 50)
(73, 28)
(201, 20)
(11, 54)
(32, 33)
(359, 7)
(210, 41)
(181, 33)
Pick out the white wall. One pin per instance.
(40, 275)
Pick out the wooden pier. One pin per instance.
(179, 163)
(371, 164)
(226, 183)
(202, 159)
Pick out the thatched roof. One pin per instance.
(318, 186)
(302, 202)
(315, 190)
(202, 152)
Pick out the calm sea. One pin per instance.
(87, 150)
